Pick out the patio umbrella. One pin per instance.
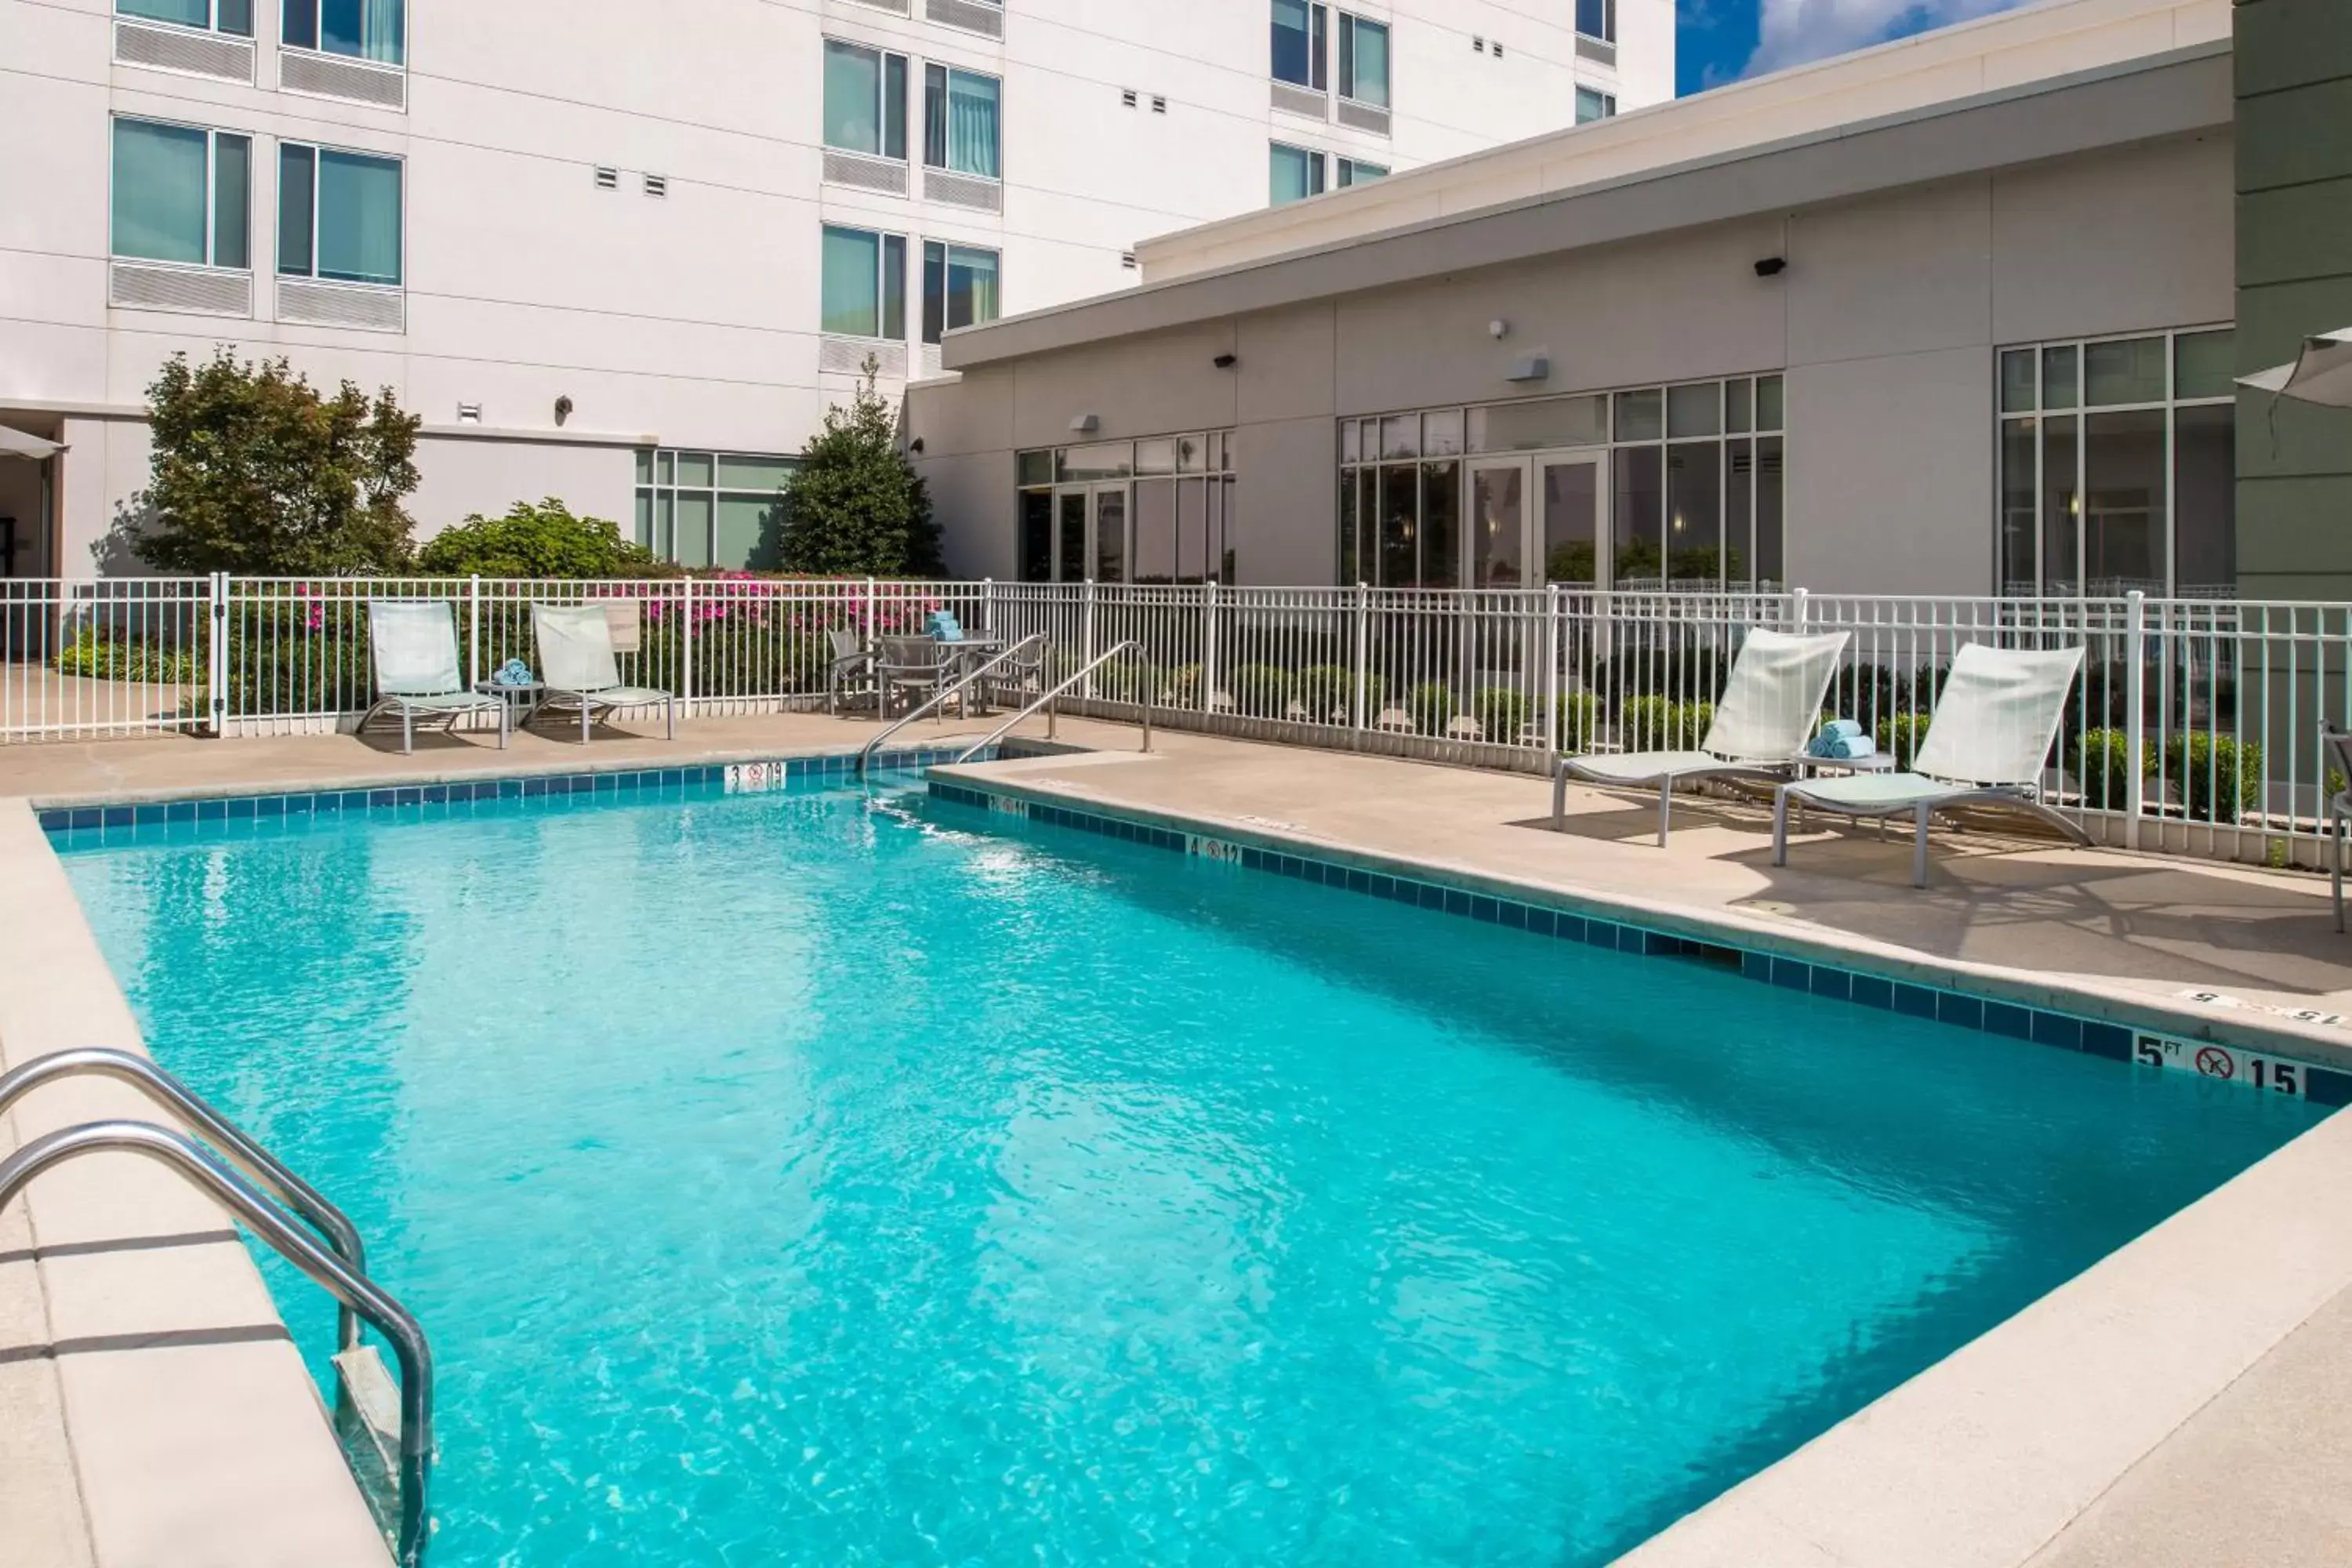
(16, 444)
(2324, 373)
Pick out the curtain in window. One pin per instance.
(1370, 62)
(971, 125)
(848, 306)
(296, 180)
(232, 201)
(358, 218)
(972, 287)
(853, 87)
(159, 192)
(364, 29)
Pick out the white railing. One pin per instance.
(2192, 730)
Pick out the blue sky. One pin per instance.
(1722, 40)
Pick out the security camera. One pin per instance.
(1771, 267)
(563, 408)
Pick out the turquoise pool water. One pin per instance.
(808, 1178)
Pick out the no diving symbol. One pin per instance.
(2215, 1062)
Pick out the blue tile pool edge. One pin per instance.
(769, 773)
(1596, 924)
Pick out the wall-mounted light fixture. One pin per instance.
(1771, 267)
(1533, 367)
(1498, 329)
(1084, 424)
(1227, 361)
(562, 409)
(915, 446)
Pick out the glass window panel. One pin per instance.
(972, 299)
(2062, 505)
(1770, 415)
(301, 24)
(1441, 525)
(232, 201)
(1034, 469)
(1641, 416)
(1192, 530)
(159, 175)
(1225, 526)
(1401, 435)
(1739, 513)
(1349, 447)
(1532, 427)
(1398, 562)
(1350, 562)
(1498, 504)
(1364, 60)
(296, 193)
(750, 532)
(1593, 104)
(1222, 445)
(894, 287)
(185, 13)
(694, 470)
(1155, 531)
(645, 466)
(2020, 441)
(1156, 457)
(1637, 520)
(853, 97)
(2128, 372)
(1694, 515)
(1571, 523)
(852, 305)
(644, 534)
(972, 124)
(1295, 174)
(894, 106)
(364, 29)
(1440, 434)
(665, 535)
(1103, 460)
(1738, 405)
(2205, 365)
(738, 472)
(2124, 518)
(694, 520)
(1192, 454)
(2058, 377)
(358, 218)
(1356, 172)
(234, 17)
(1695, 410)
(1597, 18)
(1771, 569)
(2017, 382)
(2205, 500)
(1110, 536)
(1070, 543)
(1035, 563)
(668, 468)
(935, 116)
(1293, 43)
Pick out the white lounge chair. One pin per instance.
(577, 665)
(1770, 706)
(1994, 723)
(413, 644)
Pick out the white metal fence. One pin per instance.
(2193, 728)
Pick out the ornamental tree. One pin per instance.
(542, 541)
(857, 507)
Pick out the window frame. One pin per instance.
(950, 71)
(1319, 48)
(946, 249)
(1318, 181)
(318, 33)
(1343, 75)
(882, 290)
(1608, 9)
(882, 117)
(317, 151)
(1606, 102)
(212, 135)
(212, 26)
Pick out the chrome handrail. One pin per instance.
(257, 1163)
(221, 1182)
(867, 751)
(1091, 666)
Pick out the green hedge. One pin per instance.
(1900, 736)
(96, 657)
(1659, 724)
(2103, 767)
(2218, 778)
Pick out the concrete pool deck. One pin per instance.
(2142, 1413)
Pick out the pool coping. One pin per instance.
(1985, 1458)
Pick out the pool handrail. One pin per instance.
(1067, 681)
(257, 1164)
(221, 1182)
(938, 699)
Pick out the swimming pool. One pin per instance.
(807, 1176)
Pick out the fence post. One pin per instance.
(1799, 608)
(217, 654)
(1209, 646)
(474, 630)
(1087, 638)
(1357, 717)
(1549, 690)
(988, 606)
(2135, 714)
(869, 611)
(686, 646)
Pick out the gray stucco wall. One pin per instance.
(1887, 323)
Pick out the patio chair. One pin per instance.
(915, 668)
(850, 672)
(1768, 707)
(413, 647)
(577, 664)
(2335, 756)
(1991, 732)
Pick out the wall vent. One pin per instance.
(656, 184)
(216, 55)
(1601, 51)
(1364, 116)
(962, 191)
(357, 81)
(968, 15)
(1158, 104)
(1498, 48)
(608, 179)
(159, 285)
(373, 309)
(1300, 101)
(1478, 45)
(846, 356)
(884, 174)
(1127, 259)
(1127, 97)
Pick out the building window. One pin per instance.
(1356, 172)
(1363, 60)
(234, 17)
(361, 29)
(1593, 104)
(726, 509)
(959, 287)
(865, 100)
(865, 284)
(1597, 19)
(2118, 466)
(1645, 488)
(1154, 510)
(1301, 38)
(339, 215)
(959, 122)
(1298, 173)
(183, 194)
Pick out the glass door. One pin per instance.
(1499, 516)
(1070, 536)
(1110, 534)
(1574, 528)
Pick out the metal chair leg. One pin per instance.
(2335, 862)
(1920, 848)
(1781, 826)
(1665, 808)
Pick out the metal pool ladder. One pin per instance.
(1048, 701)
(938, 699)
(240, 1174)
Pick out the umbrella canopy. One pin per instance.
(2324, 373)
(16, 444)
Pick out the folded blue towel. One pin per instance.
(945, 626)
(1843, 728)
(1847, 748)
(513, 672)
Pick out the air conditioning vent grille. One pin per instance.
(324, 76)
(899, 7)
(866, 174)
(341, 305)
(967, 15)
(962, 191)
(155, 286)
(1300, 101)
(181, 49)
(1364, 116)
(848, 356)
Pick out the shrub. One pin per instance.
(1657, 724)
(1502, 714)
(1328, 692)
(1123, 679)
(542, 541)
(1899, 735)
(2103, 764)
(1260, 691)
(857, 505)
(2219, 778)
(1430, 703)
(96, 657)
(1180, 687)
(1579, 720)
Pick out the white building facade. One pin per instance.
(629, 260)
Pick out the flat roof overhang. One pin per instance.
(2156, 98)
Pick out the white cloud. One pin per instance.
(1792, 32)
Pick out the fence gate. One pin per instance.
(106, 658)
